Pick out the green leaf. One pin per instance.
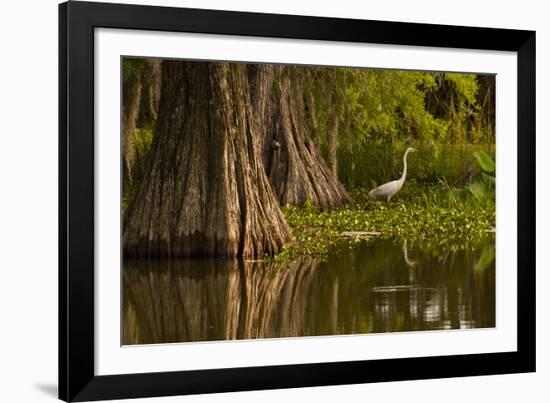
(485, 162)
(485, 259)
(488, 179)
(477, 189)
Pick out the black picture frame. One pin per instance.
(77, 379)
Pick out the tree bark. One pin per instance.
(294, 164)
(261, 79)
(205, 192)
(333, 145)
(154, 88)
(131, 101)
(337, 113)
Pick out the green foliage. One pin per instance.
(465, 84)
(433, 213)
(485, 161)
(379, 104)
(372, 164)
(486, 258)
(382, 112)
(483, 187)
(133, 69)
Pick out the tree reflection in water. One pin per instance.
(371, 287)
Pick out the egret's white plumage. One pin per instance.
(387, 190)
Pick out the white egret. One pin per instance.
(387, 190)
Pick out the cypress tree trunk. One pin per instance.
(337, 112)
(131, 101)
(294, 164)
(333, 145)
(154, 88)
(150, 77)
(205, 192)
(262, 79)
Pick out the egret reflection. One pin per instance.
(409, 262)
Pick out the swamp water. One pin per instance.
(365, 287)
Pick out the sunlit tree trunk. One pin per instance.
(154, 88)
(295, 167)
(205, 191)
(333, 145)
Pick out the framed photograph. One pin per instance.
(257, 201)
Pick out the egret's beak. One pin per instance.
(413, 149)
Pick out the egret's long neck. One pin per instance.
(404, 174)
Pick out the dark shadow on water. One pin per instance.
(49, 389)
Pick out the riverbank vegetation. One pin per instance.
(433, 216)
(272, 161)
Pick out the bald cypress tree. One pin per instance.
(294, 164)
(205, 191)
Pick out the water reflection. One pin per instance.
(408, 261)
(374, 286)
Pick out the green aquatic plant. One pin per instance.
(484, 160)
(426, 213)
(483, 186)
(486, 258)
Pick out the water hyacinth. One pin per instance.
(427, 214)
